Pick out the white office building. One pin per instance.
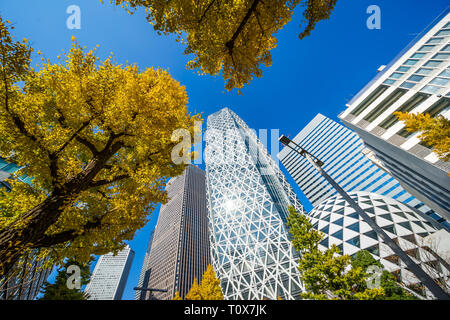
(416, 81)
(110, 275)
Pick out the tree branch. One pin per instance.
(74, 135)
(105, 182)
(206, 10)
(68, 235)
(231, 42)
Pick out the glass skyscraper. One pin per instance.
(248, 199)
(110, 275)
(347, 161)
(416, 81)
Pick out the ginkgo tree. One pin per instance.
(96, 138)
(232, 37)
(434, 131)
(209, 288)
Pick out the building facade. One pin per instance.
(343, 227)
(180, 248)
(26, 282)
(248, 199)
(110, 275)
(347, 161)
(416, 81)
(145, 271)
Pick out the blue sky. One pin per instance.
(317, 74)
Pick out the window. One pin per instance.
(435, 40)
(442, 33)
(426, 48)
(407, 85)
(446, 48)
(403, 69)
(368, 101)
(432, 63)
(424, 71)
(438, 107)
(443, 56)
(411, 62)
(409, 105)
(439, 81)
(445, 73)
(418, 55)
(415, 78)
(430, 89)
(396, 75)
(389, 81)
(384, 105)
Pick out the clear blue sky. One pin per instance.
(318, 74)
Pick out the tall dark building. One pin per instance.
(180, 248)
(145, 271)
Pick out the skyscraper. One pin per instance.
(248, 199)
(110, 275)
(346, 161)
(26, 283)
(416, 81)
(180, 247)
(145, 272)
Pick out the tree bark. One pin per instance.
(29, 230)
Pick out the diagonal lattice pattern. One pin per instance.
(248, 199)
(408, 227)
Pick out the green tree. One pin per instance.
(326, 274)
(60, 290)
(392, 290)
(434, 131)
(97, 138)
(233, 38)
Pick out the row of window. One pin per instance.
(436, 60)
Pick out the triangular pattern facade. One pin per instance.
(405, 225)
(248, 199)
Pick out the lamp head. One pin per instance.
(284, 140)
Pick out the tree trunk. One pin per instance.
(29, 229)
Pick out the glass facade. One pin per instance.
(345, 160)
(248, 199)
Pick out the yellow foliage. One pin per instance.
(194, 293)
(177, 296)
(93, 135)
(435, 132)
(233, 38)
(210, 286)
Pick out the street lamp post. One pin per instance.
(434, 288)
